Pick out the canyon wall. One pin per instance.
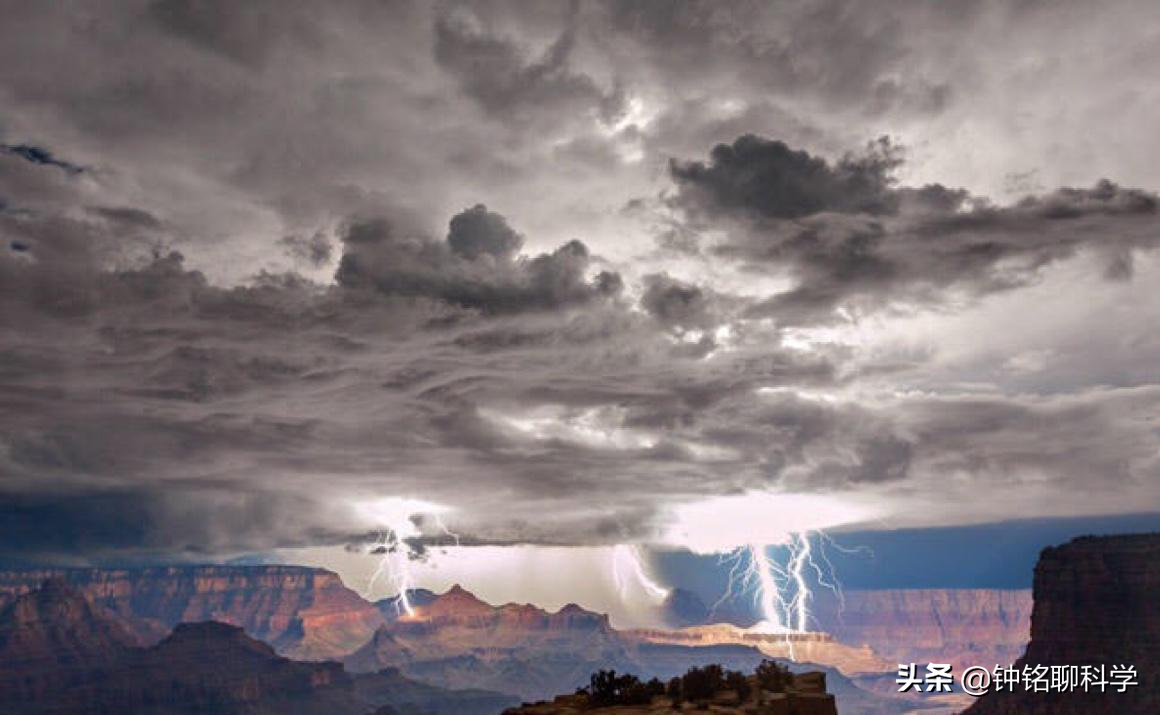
(1095, 604)
(303, 612)
(959, 626)
(62, 655)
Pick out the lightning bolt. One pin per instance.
(781, 590)
(628, 569)
(752, 570)
(762, 569)
(395, 568)
(400, 523)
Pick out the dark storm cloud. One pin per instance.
(123, 526)
(208, 343)
(851, 238)
(676, 303)
(477, 231)
(1065, 439)
(176, 395)
(770, 179)
(475, 267)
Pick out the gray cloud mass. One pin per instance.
(563, 268)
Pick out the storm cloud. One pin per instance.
(565, 268)
(852, 239)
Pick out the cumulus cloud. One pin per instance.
(476, 267)
(770, 179)
(851, 239)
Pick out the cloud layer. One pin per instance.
(562, 270)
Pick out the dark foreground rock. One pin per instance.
(1096, 603)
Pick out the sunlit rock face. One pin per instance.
(803, 646)
(1095, 603)
(458, 640)
(303, 612)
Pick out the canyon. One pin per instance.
(457, 642)
(60, 654)
(963, 627)
(302, 612)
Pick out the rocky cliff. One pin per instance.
(1095, 604)
(455, 640)
(302, 612)
(62, 655)
(959, 626)
(52, 638)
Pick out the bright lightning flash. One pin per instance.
(397, 520)
(781, 591)
(395, 568)
(792, 523)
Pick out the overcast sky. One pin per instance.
(280, 274)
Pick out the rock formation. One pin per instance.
(1095, 604)
(303, 612)
(819, 648)
(64, 656)
(61, 655)
(958, 626)
(456, 640)
(409, 696)
(803, 694)
(52, 639)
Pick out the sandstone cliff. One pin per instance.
(302, 612)
(459, 641)
(958, 626)
(1096, 604)
(455, 640)
(61, 655)
(52, 638)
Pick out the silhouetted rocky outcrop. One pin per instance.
(1095, 604)
(708, 689)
